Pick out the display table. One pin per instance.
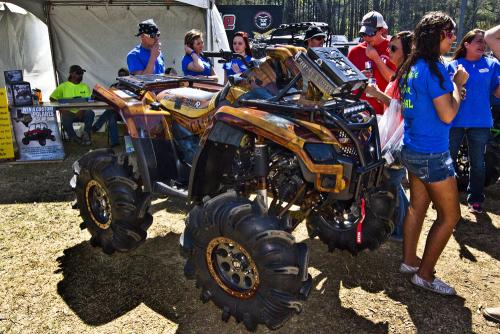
(76, 105)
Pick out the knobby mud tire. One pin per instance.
(128, 218)
(376, 227)
(280, 262)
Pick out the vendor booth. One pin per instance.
(53, 35)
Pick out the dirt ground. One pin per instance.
(53, 281)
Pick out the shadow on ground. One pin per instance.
(101, 288)
(481, 235)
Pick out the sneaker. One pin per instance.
(406, 269)
(492, 313)
(436, 285)
(86, 139)
(475, 208)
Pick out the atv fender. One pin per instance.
(220, 142)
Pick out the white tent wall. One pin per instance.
(99, 38)
(24, 44)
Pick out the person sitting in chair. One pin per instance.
(109, 115)
(75, 88)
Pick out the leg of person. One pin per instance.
(101, 120)
(456, 138)
(112, 128)
(67, 119)
(477, 139)
(444, 195)
(395, 177)
(88, 120)
(412, 226)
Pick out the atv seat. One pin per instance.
(190, 102)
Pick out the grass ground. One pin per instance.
(53, 281)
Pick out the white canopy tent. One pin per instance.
(97, 35)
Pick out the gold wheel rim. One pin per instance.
(96, 187)
(237, 262)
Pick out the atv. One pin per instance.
(40, 132)
(286, 141)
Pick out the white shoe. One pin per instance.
(407, 269)
(436, 285)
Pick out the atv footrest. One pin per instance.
(162, 188)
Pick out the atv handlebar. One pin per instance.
(226, 56)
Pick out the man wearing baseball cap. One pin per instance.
(315, 37)
(373, 49)
(75, 88)
(147, 58)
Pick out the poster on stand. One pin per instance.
(6, 140)
(37, 133)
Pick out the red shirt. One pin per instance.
(358, 57)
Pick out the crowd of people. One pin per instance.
(440, 103)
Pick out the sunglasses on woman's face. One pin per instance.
(449, 33)
(393, 48)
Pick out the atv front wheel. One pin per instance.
(343, 231)
(25, 141)
(111, 203)
(42, 142)
(244, 262)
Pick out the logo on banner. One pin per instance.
(263, 20)
(229, 21)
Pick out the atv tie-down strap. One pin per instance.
(359, 228)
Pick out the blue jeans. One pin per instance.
(68, 118)
(395, 176)
(109, 116)
(428, 167)
(477, 139)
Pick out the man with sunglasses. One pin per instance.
(71, 89)
(147, 58)
(374, 49)
(315, 37)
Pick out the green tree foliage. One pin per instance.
(344, 16)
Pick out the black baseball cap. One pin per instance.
(371, 22)
(314, 32)
(76, 68)
(148, 27)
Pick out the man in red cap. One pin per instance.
(373, 49)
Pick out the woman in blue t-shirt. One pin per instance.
(193, 62)
(430, 102)
(474, 118)
(241, 46)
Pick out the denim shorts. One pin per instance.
(428, 167)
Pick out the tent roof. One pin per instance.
(37, 6)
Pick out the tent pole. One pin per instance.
(209, 26)
(46, 9)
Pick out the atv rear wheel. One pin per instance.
(111, 203)
(244, 262)
(25, 141)
(42, 141)
(341, 233)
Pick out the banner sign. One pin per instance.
(6, 142)
(37, 133)
(252, 19)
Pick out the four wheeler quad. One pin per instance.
(40, 132)
(284, 142)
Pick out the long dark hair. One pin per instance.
(461, 51)
(406, 38)
(243, 35)
(427, 38)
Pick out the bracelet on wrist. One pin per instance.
(192, 52)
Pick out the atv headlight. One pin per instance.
(321, 153)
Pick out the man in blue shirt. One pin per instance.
(147, 58)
